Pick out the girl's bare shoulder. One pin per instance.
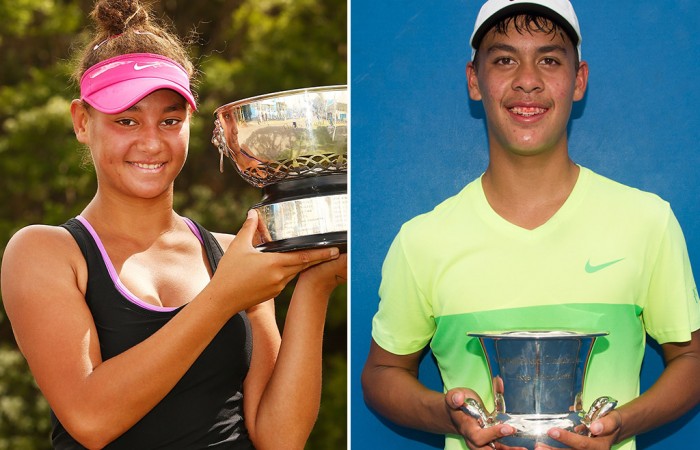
(38, 252)
(42, 241)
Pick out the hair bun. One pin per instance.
(116, 16)
(115, 23)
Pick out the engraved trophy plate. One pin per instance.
(537, 380)
(293, 145)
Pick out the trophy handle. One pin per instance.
(475, 410)
(498, 398)
(600, 408)
(219, 141)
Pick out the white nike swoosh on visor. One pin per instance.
(145, 66)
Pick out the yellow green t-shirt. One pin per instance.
(613, 258)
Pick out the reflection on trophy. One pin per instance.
(537, 379)
(293, 145)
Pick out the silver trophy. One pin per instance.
(293, 145)
(537, 380)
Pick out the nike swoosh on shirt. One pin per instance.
(592, 269)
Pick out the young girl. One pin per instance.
(142, 329)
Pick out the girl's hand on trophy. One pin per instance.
(604, 432)
(249, 276)
(325, 277)
(476, 436)
(263, 234)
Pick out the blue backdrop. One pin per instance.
(417, 139)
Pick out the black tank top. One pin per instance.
(205, 408)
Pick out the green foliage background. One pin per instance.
(243, 48)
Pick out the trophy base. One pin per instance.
(304, 213)
(337, 239)
(532, 428)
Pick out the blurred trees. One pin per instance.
(242, 48)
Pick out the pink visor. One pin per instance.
(116, 84)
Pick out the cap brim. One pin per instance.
(121, 96)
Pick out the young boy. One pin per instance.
(538, 241)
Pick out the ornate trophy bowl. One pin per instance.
(537, 379)
(293, 145)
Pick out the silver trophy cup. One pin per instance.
(293, 145)
(537, 379)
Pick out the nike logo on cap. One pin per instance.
(590, 268)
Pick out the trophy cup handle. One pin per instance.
(600, 408)
(219, 141)
(475, 410)
(498, 398)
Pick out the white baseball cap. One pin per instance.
(559, 11)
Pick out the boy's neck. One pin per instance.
(528, 193)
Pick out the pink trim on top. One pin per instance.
(194, 229)
(115, 277)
